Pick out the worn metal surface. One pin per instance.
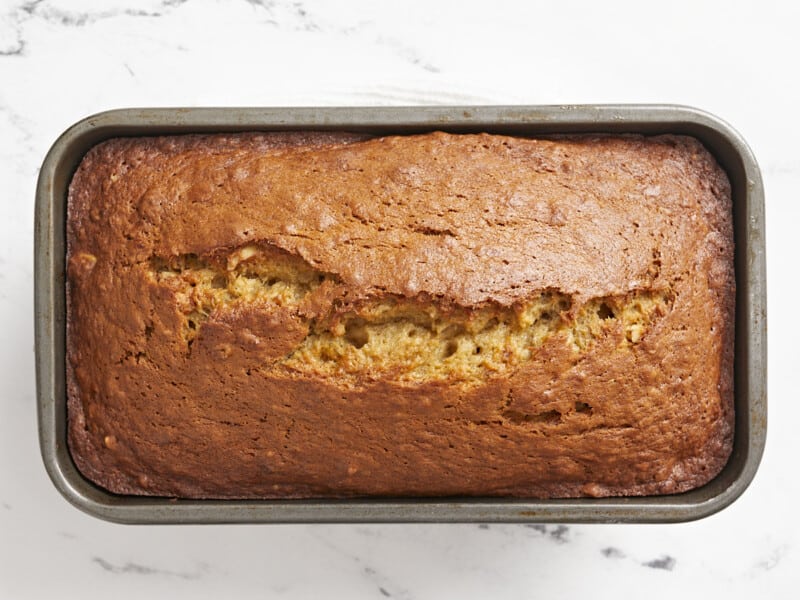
(751, 344)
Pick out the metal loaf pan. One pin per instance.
(751, 345)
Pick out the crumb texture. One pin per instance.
(391, 336)
(331, 315)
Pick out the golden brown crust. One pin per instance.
(163, 403)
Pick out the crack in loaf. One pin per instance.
(408, 339)
(324, 315)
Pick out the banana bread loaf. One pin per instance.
(293, 315)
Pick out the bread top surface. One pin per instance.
(471, 218)
(518, 268)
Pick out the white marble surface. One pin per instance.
(62, 60)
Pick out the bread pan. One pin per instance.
(751, 345)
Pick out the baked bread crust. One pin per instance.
(238, 304)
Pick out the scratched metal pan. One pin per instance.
(751, 344)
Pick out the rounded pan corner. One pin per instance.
(720, 501)
(74, 488)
